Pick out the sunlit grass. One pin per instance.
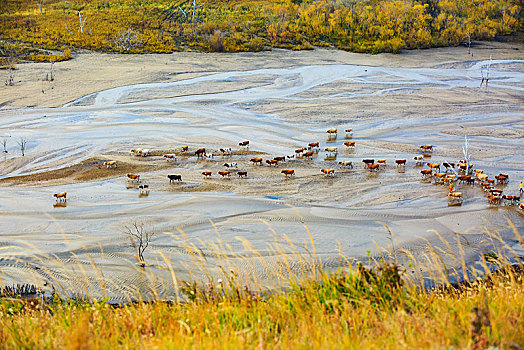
(371, 304)
(339, 311)
(136, 26)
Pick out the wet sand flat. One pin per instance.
(279, 101)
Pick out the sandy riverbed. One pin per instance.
(100, 106)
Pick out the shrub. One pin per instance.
(216, 41)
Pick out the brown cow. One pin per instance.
(60, 196)
(348, 132)
(134, 177)
(184, 148)
(224, 173)
(464, 166)
(372, 167)
(244, 144)
(349, 144)
(428, 148)
(494, 200)
(486, 186)
(381, 161)
(280, 159)
(313, 145)
(110, 164)
(502, 178)
(400, 162)
(271, 162)
(308, 154)
(242, 173)
(434, 166)
(328, 172)
(256, 160)
(346, 163)
(511, 199)
(169, 156)
(439, 176)
(419, 159)
(331, 131)
(332, 150)
(299, 151)
(426, 172)
(482, 177)
(464, 178)
(449, 178)
(206, 173)
(200, 152)
(289, 172)
(455, 195)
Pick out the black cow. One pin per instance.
(174, 178)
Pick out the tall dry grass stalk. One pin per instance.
(287, 297)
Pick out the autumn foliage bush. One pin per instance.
(216, 25)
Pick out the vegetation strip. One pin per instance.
(162, 26)
(367, 309)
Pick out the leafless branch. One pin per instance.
(467, 156)
(82, 22)
(11, 67)
(68, 29)
(4, 144)
(22, 143)
(183, 12)
(469, 42)
(41, 5)
(139, 239)
(485, 69)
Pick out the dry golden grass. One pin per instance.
(316, 315)
(374, 307)
(136, 26)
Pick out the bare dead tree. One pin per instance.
(11, 78)
(41, 6)
(467, 156)
(4, 144)
(82, 22)
(22, 143)
(52, 72)
(469, 42)
(140, 239)
(11, 67)
(70, 32)
(486, 70)
(183, 12)
(193, 17)
(51, 75)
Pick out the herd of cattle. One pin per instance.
(461, 172)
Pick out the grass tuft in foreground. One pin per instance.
(369, 308)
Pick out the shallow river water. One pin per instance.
(201, 232)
